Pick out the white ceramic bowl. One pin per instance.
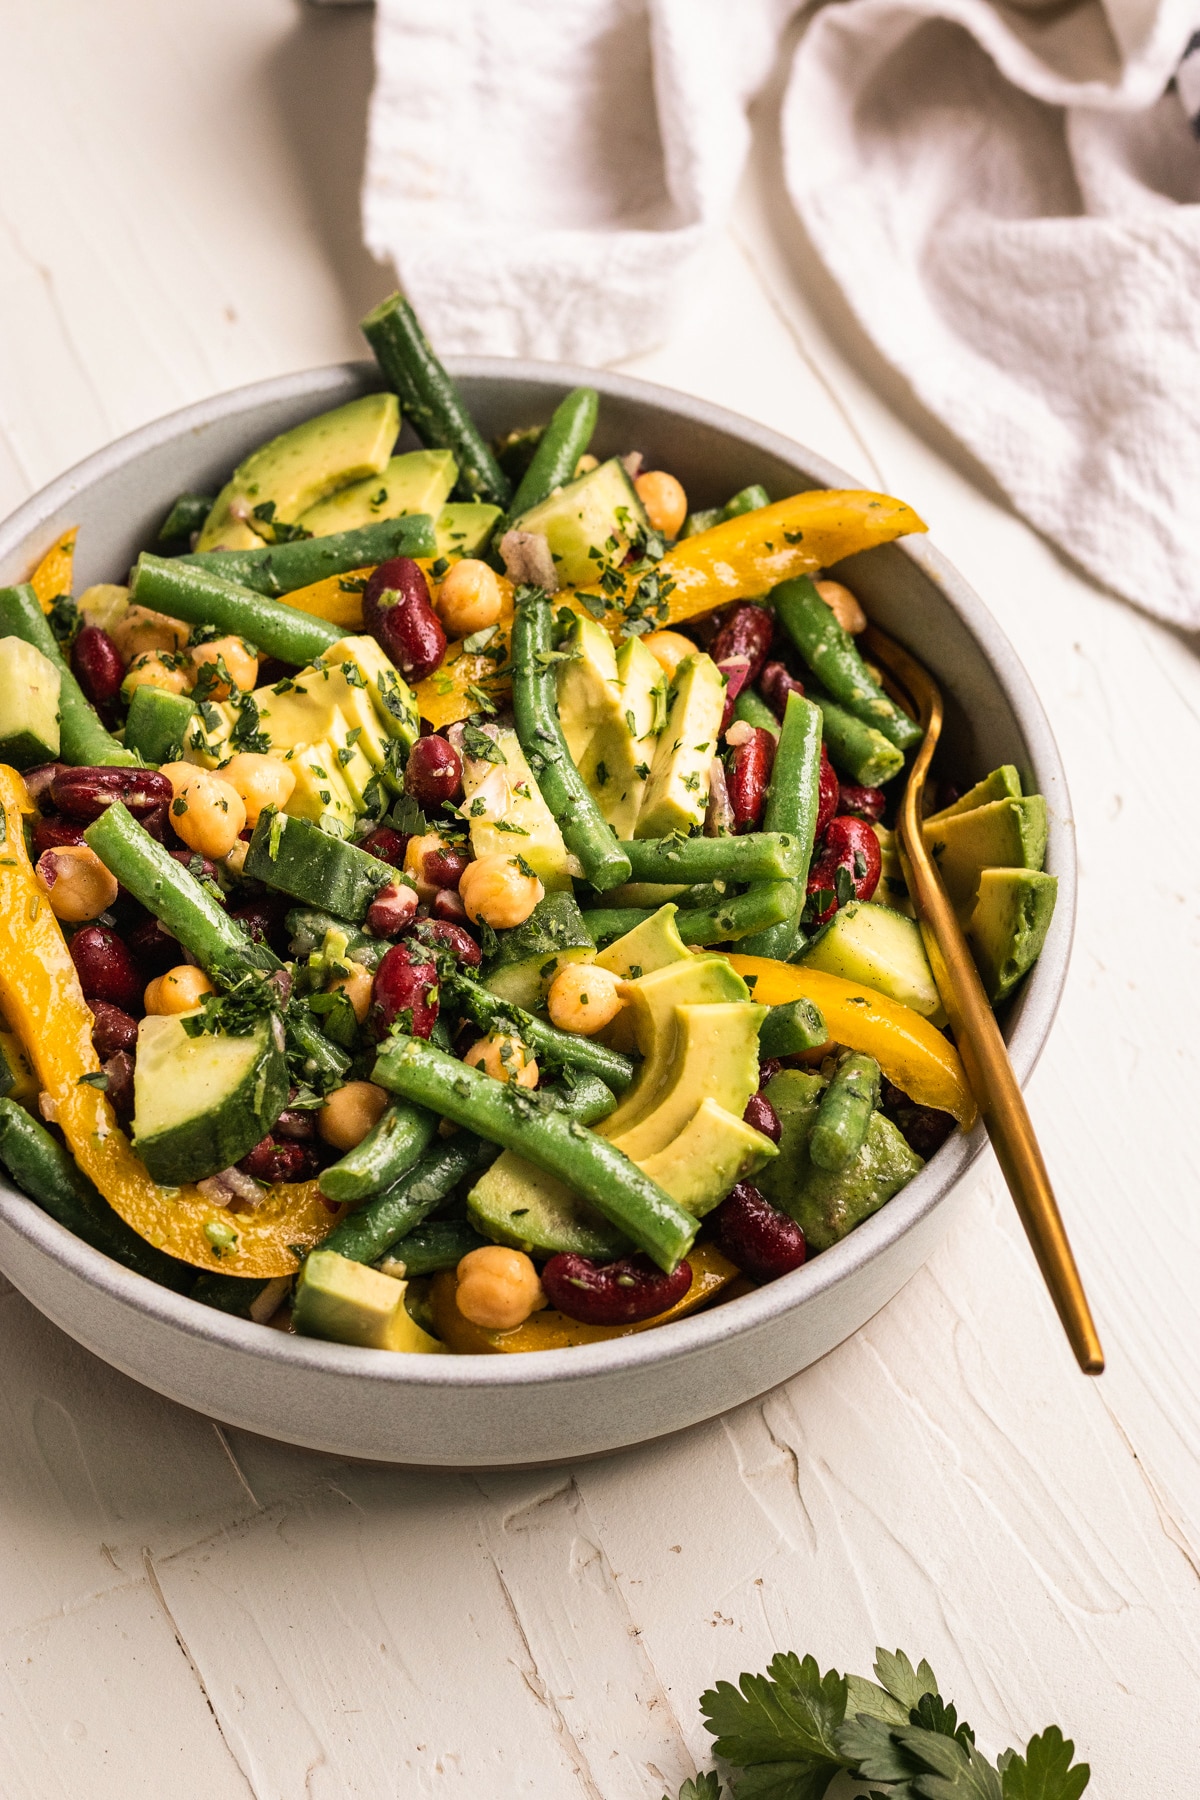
(490, 1411)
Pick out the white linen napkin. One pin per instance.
(1008, 196)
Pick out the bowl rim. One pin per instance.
(725, 1322)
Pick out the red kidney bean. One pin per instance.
(444, 868)
(84, 793)
(923, 1128)
(39, 781)
(616, 1293)
(398, 615)
(447, 904)
(749, 778)
(388, 845)
(106, 969)
(736, 670)
(775, 684)
(55, 833)
(393, 907)
(761, 1240)
(155, 822)
(747, 631)
(861, 802)
(196, 865)
(850, 844)
(112, 1031)
(760, 1115)
(406, 983)
(97, 665)
(433, 773)
(259, 918)
(768, 1069)
(154, 947)
(827, 796)
(270, 1161)
(445, 935)
(297, 1126)
(119, 1069)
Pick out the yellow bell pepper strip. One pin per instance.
(338, 598)
(711, 1272)
(446, 696)
(909, 1050)
(43, 1002)
(56, 571)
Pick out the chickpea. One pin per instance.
(843, 605)
(357, 984)
(76, 883)
(416, 850)
(238, 658)
(498, 1287)
(350, 1112)
(586, 464)
(157, 668)
(584, 998)
(139, 630)
(180, 990)
(469, 598)
(668, 648)
(496, 893)
(260, 780)
(207, 812)
(664, 500)
(505, 1058)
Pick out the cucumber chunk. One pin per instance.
(515, 1203)
(29, 693)
(200, 1103)
(882, 949)
(589, 524)
(528, 957)
(299, 859)
(157, 724)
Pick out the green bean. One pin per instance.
(431, 401)
(366, 1235)
(325, 1062)
(832, 655)
(545, 1136)
(794, 1026)
(44, 1171)
(203, 598)
(186, 515)
(856, 750)
(747, 499)
(844, 1115)
(562, 444)
(222, 947)
(793, 800)
(389, 1148)
(728, 921)
(585, 830)
(441, 1244)
(753, 710)
(83, 739)
(561, 1048)
(282, 568)
(759, 856)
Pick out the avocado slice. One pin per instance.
(419, 482)
(507, 816)
(302, 466)
(715, 1053)
(676, 796)
(616, 721)
(320, 793)
(653, 944)
(1004, 834)
(828, 1206)
(652, 1000)
(589, 689)
(588, 524)
(465, 527)
(391, 696)
(516, 1203)
(29, 690)
(883, 950)
(349, 1303)
(1008, 925)
(713, 1151)
(1001, 784)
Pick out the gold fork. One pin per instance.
(976, 1033)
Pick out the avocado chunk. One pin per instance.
(29, 690)
(419, 482)
(589, 524)
(612, 707)
(1008, 925)
(676, 796)
(349, 1303)
(1001, 784)
(883, 950)
(713, 1151)
(651, 945)
(300, 467)
(200, 1103)
(515, 1203)
(829, 1205)
(652, 1002)
(505, 812)
(1004, 834)
(465, 527)
(714, 1054)
(157, 724)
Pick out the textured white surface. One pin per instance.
(203, 1615)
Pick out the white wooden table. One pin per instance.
(191, 1612)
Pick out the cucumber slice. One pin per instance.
(200, 1103)
(514, 1203)
(299, 859)
(528, 957)
(882, 949)
(589, 524)
(157, 724)
(29, 690)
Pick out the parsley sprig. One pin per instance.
(788, 1733)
